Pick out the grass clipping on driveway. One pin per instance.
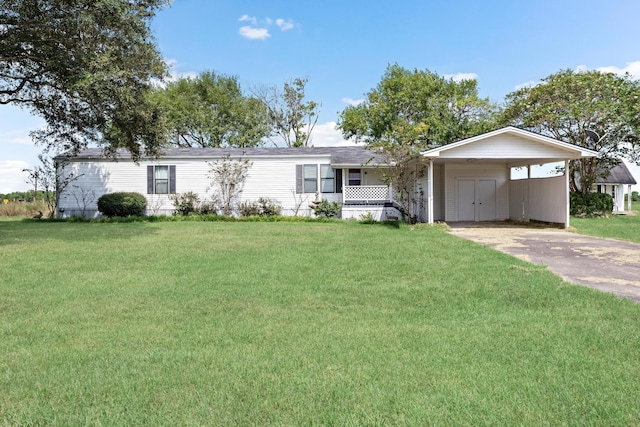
(300, 323)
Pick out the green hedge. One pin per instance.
(122, 204)
(591, 204)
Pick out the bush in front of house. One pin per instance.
(264, 206)
(185, 203)
(327, 209)
(122, 204)
(591, 204)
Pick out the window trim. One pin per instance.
(152, 180)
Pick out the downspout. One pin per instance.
(430, 193)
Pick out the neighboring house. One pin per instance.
(613, 183)
(468, 180)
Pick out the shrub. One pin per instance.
(591, 204)
(326, 209)
(262, 207)
(185, 203)
(635, 196)
(122, 204)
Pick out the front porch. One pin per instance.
(376, 201)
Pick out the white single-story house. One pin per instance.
(469, 180)
(613, 183)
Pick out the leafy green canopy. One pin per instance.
(85, 67)
(568, 103)
(417, 109)
(210, 110)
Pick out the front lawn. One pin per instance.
(625, 227)
(194, 323)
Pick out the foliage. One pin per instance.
(367, 218)
(23, 195)
(228, 176)
(22, 209)
(326, 209)
(53, 179)
(635, 196)
(418, 110)
(291, 119)
(210, 110)
(122, 204)
(85, 68)
(568, 103)
(301, 323)
(185, 203)
(410, 111)
(262, 207)
(590, 204)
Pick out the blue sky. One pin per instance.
(343, 48)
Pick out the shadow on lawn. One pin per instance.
(16, 232)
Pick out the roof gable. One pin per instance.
(509, 143)
(619, 174)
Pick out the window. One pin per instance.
(306, 178)
(355, 177)
(310, 178)
(327, 179)
(161, 179)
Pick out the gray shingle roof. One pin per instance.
(618, 175)
(350, 155)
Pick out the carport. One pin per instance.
(470, 180)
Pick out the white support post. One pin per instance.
(430, 194)
(566, 193)
(628, 198)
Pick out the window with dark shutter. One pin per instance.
(150, 180)
(172, 179)
(299, 188)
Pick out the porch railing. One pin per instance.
(367, 194)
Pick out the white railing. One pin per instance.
(366, 193)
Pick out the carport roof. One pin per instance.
(509, 145)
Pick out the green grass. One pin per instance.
(624, 227)
(212, 323)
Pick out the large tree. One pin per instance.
(410, 111)
(210, 110)
(567, 104)
(85, 66)
(291, 118)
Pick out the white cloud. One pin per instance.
(352, 101)
(174, 74)
(327, 135)
(253, 33)
(284, 25)
(633, 68)
(11, 176)
(259, 29)
(247, 18)
(461, 76)
(530, 83)
(18, 136)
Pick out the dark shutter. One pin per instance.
(338, 180)
(149, 179)
(299, 188)
(172, 179)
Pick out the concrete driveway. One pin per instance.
(605, 264)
